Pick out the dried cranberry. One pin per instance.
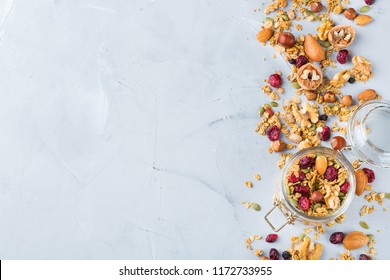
(342, 56)
(275, 80)
(301, 60)
(273, 254)
(303, 190)
(369, 2)
(294, 179)
(286, 255)
(345, 187)
(364, 257)
(273, 133)
(325, 133)
(269, 110)
(370, 174)
(292, 61)
(323, 117)
(306, 162)
(304, 203)
(336, 238)
(331, 174)
(271, 238)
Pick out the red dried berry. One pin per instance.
(269, 110)
(364, 257)
(273, 133)
(306, 162)
(304, 203)
(301, 60)
(275, 80)
(331, 173)
(273, 254)
(271, 238)
(370, 174)
(303, 190)
(336, 238)
(369, 2)
(342, 56)
(294, 179)
(345, 187)
(325, 133)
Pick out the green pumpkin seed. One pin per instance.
(364, 225)
(293, 202)
(387, 195)
(274, 104)
(285, 18)
(364, 9)
(341, 194)
(314, 126)
(269, 19)
(316, 17)
(326, 44)
(306, 1)
(261, 111)
(256, 207)
(309, 13)
(370, 237)
(305, 170)
(316, 206)
(295, 85)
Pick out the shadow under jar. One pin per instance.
(368, 136)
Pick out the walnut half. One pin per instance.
(309, 76)
(341, 36)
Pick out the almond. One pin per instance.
(362, 19)
(355, 240)
(264, 35)
(313, 49)
(321, 164)
(368, 94)
(361, 182)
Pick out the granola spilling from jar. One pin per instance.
(317, 185)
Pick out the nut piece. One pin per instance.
(316, 7)
(350, 13)
(361, 182)
(316, 196)
(355, 240)
(341, 36)
(311, 95)
(338, 142)
(347, 100)
(286, 39)
(321, 164)
(264, 35)
(329, 97)
(278, 146)
(362, 20)
(313, 49)
(368, 94)
(309, 76)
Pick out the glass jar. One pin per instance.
(368, 136)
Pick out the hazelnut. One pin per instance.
(338, 142)
(278, 146)
(316, 7)
(347, 100)
(350, 13)
(286, 39)
(316, 196)
(311, 95)
(329, 97)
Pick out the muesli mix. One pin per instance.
(316, 184)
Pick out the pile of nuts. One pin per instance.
(316, 184)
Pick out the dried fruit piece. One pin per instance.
(301, 60)
(286, 255)
(363, 20)
(364, 257)
(350, 13)
(306, 162)
(316, 253)
(273, 133)
(355, 240)
(304, 203)
(264, 35)
(309, 76)
(370, 174)
(369, 2)
(368, 94)
(345, 187)
(313, 49)
(341, 36)
(336, 237)
(286, 39)
(321, 164)
(338, 142)
(331, 174)
(271, 238)
(275, 80)
(363, 224)
(323, 117)
(303, 190)
(325, 133)
(361, 182)
(293, 179)
(342, 56)
(273, 254)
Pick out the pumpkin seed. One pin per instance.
(364, 9)
(306, 1)
(316, 17)
(314, 126)
(295, 85)
(285, 18)
(370, 237)
(309, 13)
(256, 207)
(316, 206)
(341, 194)
(269, 19)
(274, 104)
(305, 170)
(288, 190)
(364, 225)
(387, 195)
(261, 111)
(293, 202)
(326, 44)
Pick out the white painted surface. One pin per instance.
(128, 129)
